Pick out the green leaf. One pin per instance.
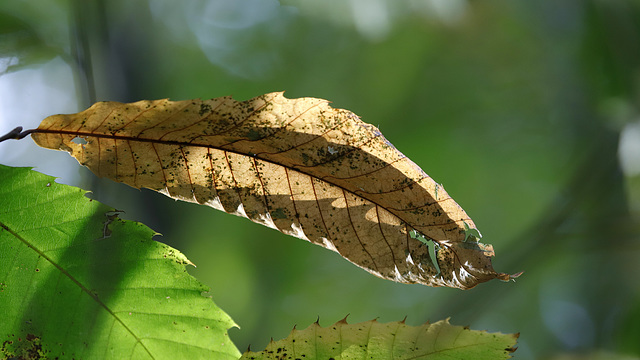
(78, 282)
(395, 340)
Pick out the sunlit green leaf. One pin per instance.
(395, 340)
(78, 282)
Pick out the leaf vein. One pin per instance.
(344, 194)
(384, 237)
(165, 119)
(97, 127)
(293, 200)
(264, 195)
(324, 224)
(164, 176)
(186, 166)
(235, 183)
(202, 118)
(135, 118)
(235, 125)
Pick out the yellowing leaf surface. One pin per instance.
(296, 165)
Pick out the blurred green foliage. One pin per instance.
(516, 107)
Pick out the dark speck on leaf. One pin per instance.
(253, 135)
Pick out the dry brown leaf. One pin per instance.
(296, 165)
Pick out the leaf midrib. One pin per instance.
(207, 146)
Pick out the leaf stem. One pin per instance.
(16, 134)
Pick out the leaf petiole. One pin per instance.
(15, 134)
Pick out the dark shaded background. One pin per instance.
(527, 112)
